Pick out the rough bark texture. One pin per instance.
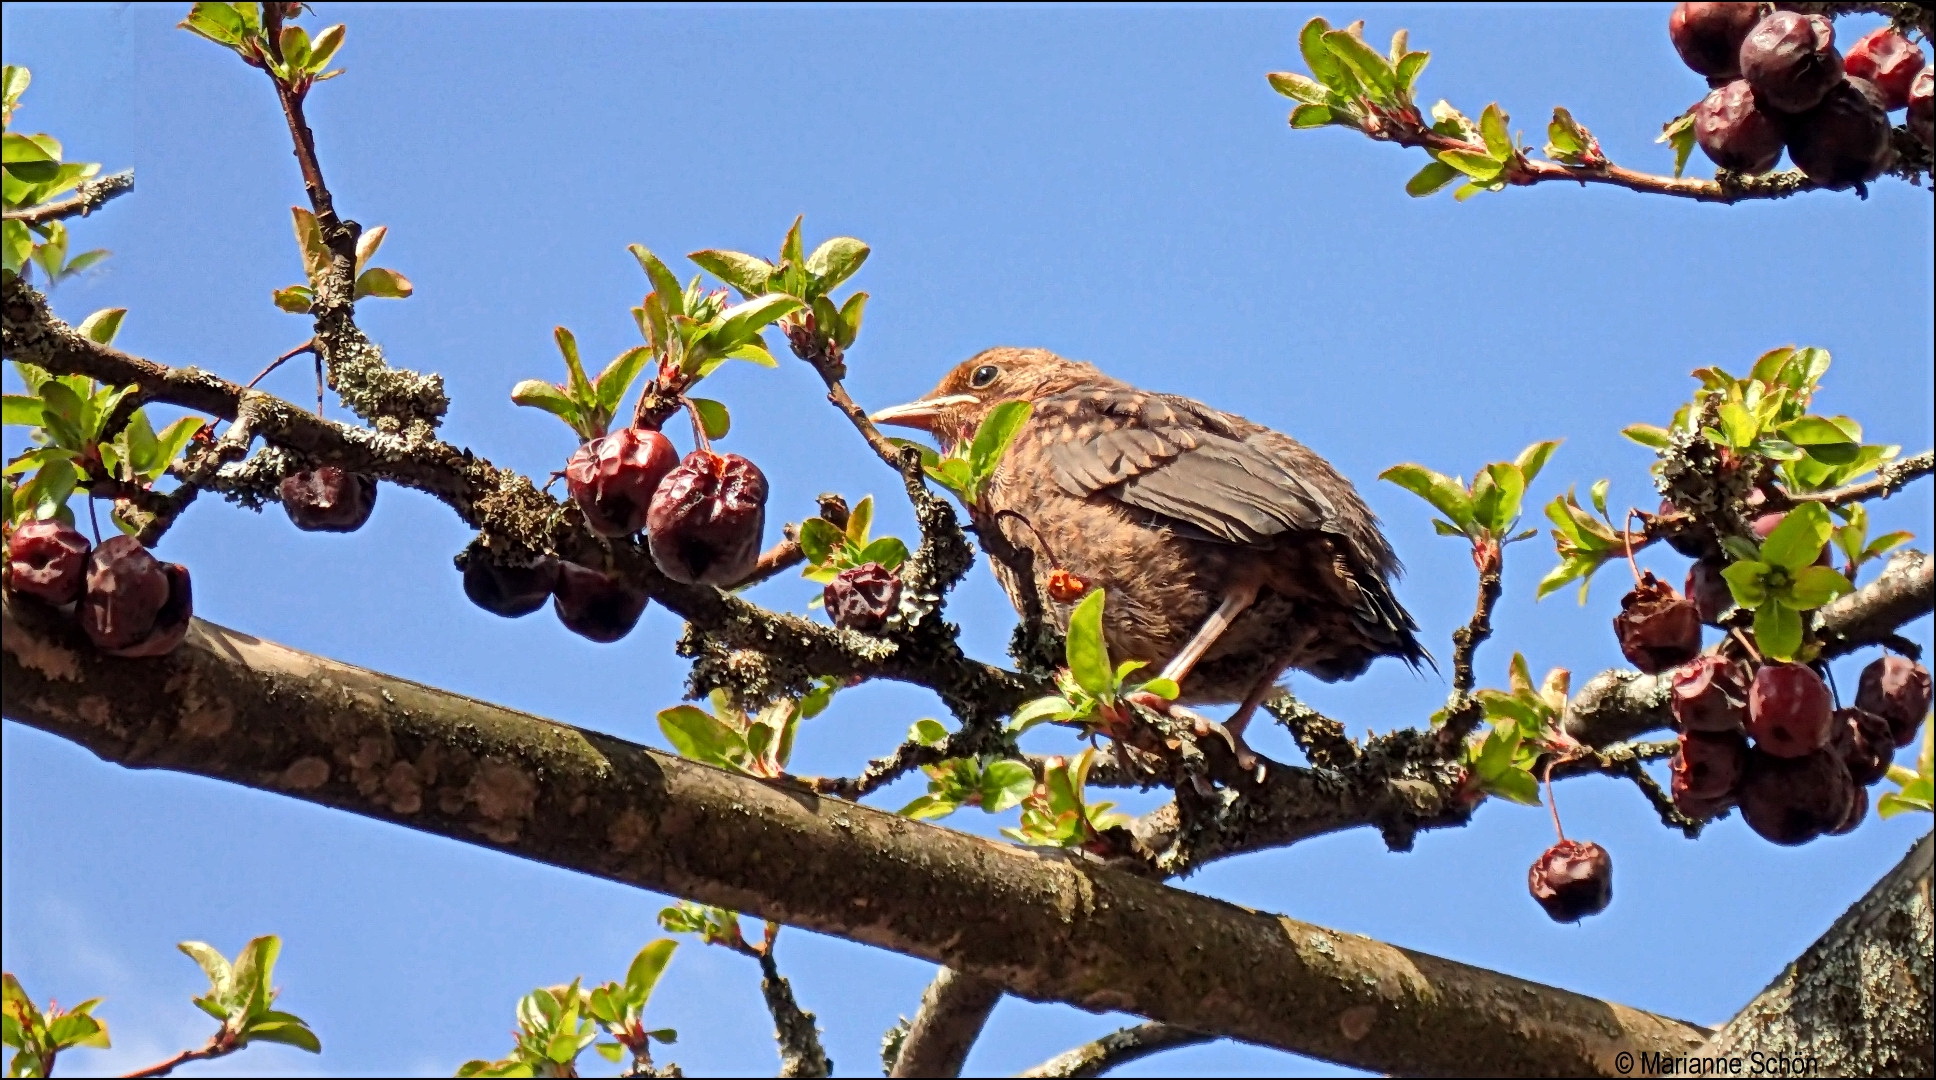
(954, 1009)
(1044, 925)
(1117, 1048)
(1857, 1003)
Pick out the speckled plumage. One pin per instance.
(1170, 505)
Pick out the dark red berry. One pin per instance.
(1858, 809)
(135, 604)
(595, 606)
(1791, 61)
(1793, 800)
(1685, 540)
(862, 597)
(1709, 767)
(1864, 743)
(706, 519)
(1708, 591)
(1896, 688)
(612, 478)
(1789, 710)
(509, 589)
(1709, 36)
(328, 499)
(1887, 59)
(1845, 139)
(1657, 627)
(47, 558)
(1735, 132)
(1710, 694)
(1066, 586)
(1572, 880)
(1922, 107)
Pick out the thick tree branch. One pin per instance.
(1046, 926)
(1860, 1002)
(954, 1009)
(1118, 1048)
(89, 195)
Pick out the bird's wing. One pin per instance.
(1182, 461)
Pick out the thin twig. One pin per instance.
(801, 1052)
(1888, 480)
(953, 1010)
(307, 346)
(87, 198)
(1118, 1048)
(217, 1047)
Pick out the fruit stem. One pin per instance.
(1627, 542)
(93, 522)
(1746, 643)
(698, 429)
(1552, 804)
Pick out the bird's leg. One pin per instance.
(1241, 595)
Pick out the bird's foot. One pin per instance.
(1202, 727)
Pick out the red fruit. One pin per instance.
(1790, 60)
(1858, 809)
(1686, 541)
(1922, 107)
(1887, 59)
(706, 519)
(47, 558)
(1657, 627)
(1709, 767)
(1735, 132)
(509, 589)
(1708, 591)
(1896, 688)
(135, 604)
(1793, 800)
(1864, 743)
(1709, 36)
(1789, 710)
(862, 597)
(1845, 139)
(328, 499)
(595, 606)
(1709, 694)
(612, 478)
(1572, 880)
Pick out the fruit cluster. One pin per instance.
(128, 602)
(1778, 82)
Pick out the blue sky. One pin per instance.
(1117, 184)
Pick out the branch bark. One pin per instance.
(954, 1008)
(1045, 926)
(1118, 1048)
(89, 195)
(1858, 1002)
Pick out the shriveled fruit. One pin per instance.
(1685, 541)
(1735, 132)
(1793, 800)
(1858, 809)
(706, 519)
(1864, 743)
(1789, 710)
(1791, 61)
(862, 597)
(1710, 694)
(1708, 591)
(1657, 627)
(612, 478)
(509, 589)
(1897, 689)
(47, 558)
(1889, 60)
(328, 499)
(1922, 107)
(135, 604)
(1709, 36)
(1572, 880)
(594, 605)
(1845, 139)
(1709, 766)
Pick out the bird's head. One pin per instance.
(954, 409)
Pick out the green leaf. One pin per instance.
(664, 285)
(296, 299)
(929, 807)
(1087, 653)
(749, 274)
(578, 387)
(850, 316)
(741, 322)
(1473, 164)
(1883, 543)
(21, 409)
(698, 735)
(1493, 122)
(992, 439)
(889, 551)
(1373, 71)
(294, 41)
(1445, 494)
(612, 383)
(1297, 87)
(1799, 539)
(1005, 784)
(538, 394)
(250, 985)
(1778, 631)
(1038, 711)
(1815, 586)
(1313, 43)
(1431, 179)
(1678, 133)
(1161, 687)
(643, 975)
(1648, 435)
(1517, 785)
(1312, 116)
(819, 539)
(382, 283)
(1410, 67)
(325, 46)
(213, 964)
(103, 325)
(713, 417)
(835, 261)
(1532, 459)
(927, 731)
(1496, 495)
(288, 1032)
(1745, 582)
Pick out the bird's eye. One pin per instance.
(983, 375)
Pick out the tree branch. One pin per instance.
(793, 1027)
(954, 1008)
(1045, 926)
(89, 195)
(1888, 480)
(1118, 1048)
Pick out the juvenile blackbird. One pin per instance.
(1231, 553)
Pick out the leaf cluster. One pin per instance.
(1524, 724)
(586, 405)
(241, 996)
(1350, 83)
(1486, 511)
(1778, 579)
(809, 279)
(37, 1036)
(297, 60)
(1091, 690)
(556, 1024)
(1057, 813)
(989, 781)
(32, 173)
(1915, 790)
(829, 549)
(377, 281)
(755, 744)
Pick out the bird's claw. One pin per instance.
(1246, 758)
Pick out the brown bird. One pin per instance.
(1230, 553)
